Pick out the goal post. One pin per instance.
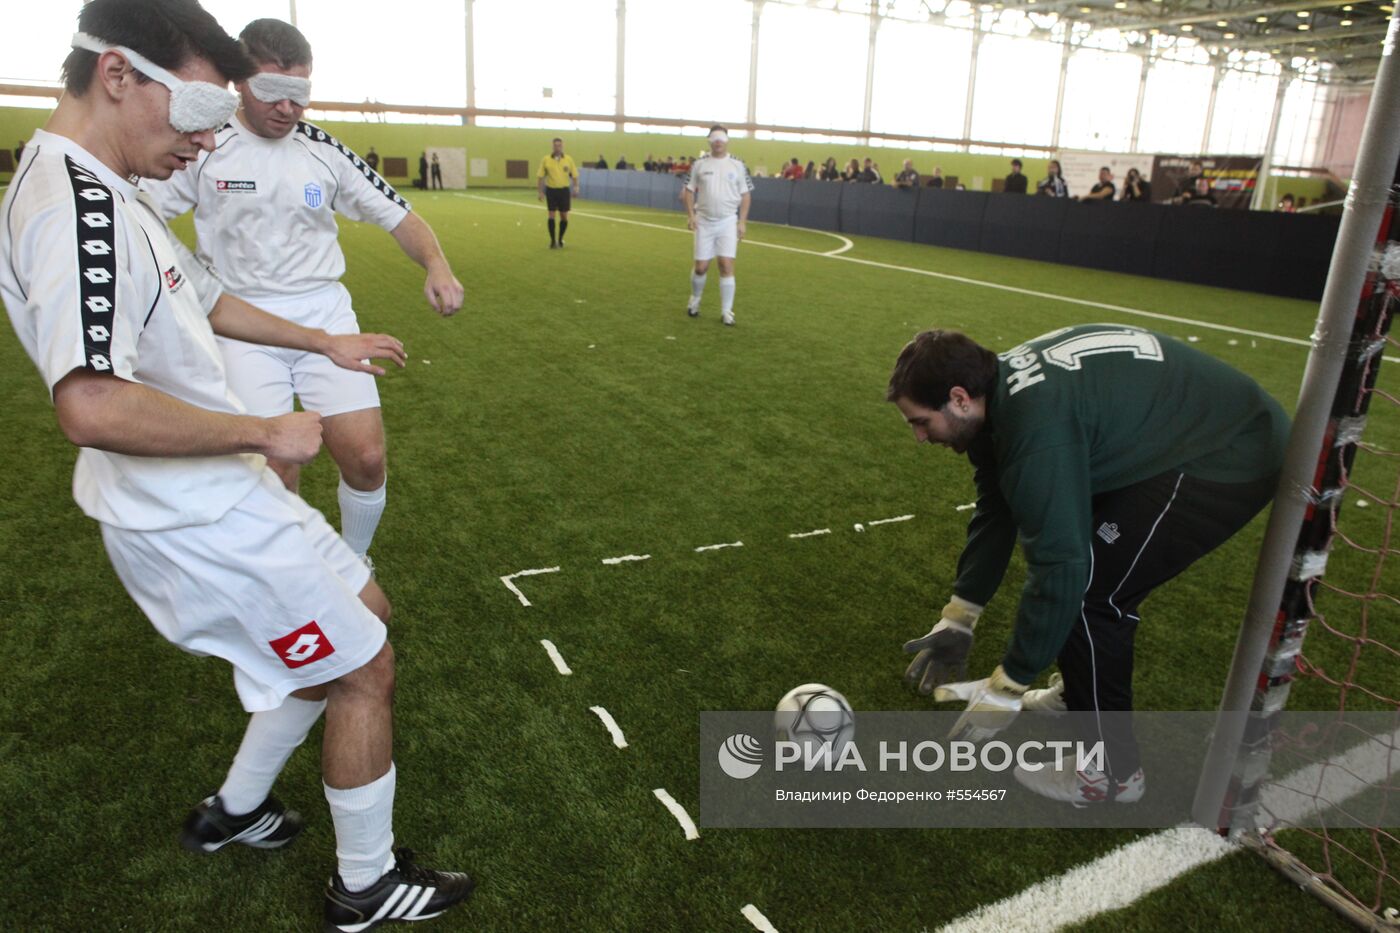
(1348, 344)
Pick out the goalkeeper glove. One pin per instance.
(942, 654)
(991, 705)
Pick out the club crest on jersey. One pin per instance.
(313, 194)
(306, 645)
(173, 279)
(235, 187)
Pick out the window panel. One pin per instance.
(357, 61)
(1174, 109)
(1244, 104)
(697, 67)
(233, 15)
(558, 56)
(1100, 97)
(811, 67)
(920, 80)
(33, 52)
(1017, 80)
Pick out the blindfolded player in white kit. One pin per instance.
(716, 197)
(264, 205)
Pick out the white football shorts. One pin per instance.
(270, 588)
(265, 379)
(716, 238)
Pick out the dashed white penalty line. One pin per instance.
(625, 558)
(887, 521)
(755, 916)
(965, 507)
(716, 547)
(510, 578)
(678, 811)
(618, 739)
(559, 663)
(811, 534)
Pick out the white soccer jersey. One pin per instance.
(93, 279)
(719, 185)
(264, 209)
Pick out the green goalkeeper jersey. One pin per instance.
(1087, 410)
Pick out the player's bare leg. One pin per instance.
(355, 441)
(697, 286)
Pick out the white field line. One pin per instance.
(755, 916)
(716, 547)
(811, 534)
(559, 663)
(886, 521)
(678, 811)
(618, 739)
(510, 578)
(625, 558)
(961, 279)
(1124, 875)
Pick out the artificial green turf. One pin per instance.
(570, 413)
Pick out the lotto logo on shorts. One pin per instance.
(302, 647)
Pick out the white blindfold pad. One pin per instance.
(269, 88)
(195, 106)
(719, 136)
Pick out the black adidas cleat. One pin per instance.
(405, 894)
(209, 827)
(693, 312)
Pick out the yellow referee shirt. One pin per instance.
(557, 172)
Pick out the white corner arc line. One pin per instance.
(962, 279)
(755, 916)
(834, 252)
(716, 547)
(618, 739)
(887, 521)
(559, 663)
(510, 578)
(811, 534)
(678, 811)
(625, 558)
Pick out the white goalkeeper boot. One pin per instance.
(1081, 788)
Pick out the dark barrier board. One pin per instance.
(878, 210)
(1208, 246)
(1119, 237)
(950, 218)
(1026, 227)
(1276, 254)
(770, 197)
(638, 188)
(666, 192)
(816, 204)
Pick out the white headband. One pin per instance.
(719, 136)
(270, 87)
(195, 106)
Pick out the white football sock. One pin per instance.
(697, 287)
(269, 741)
(360, 512)
(364, 830)
(726, 296)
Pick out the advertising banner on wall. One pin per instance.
(1225, 181)
(1081, 169)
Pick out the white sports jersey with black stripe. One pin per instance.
(264, 209)
(719, 185)
(93, 279)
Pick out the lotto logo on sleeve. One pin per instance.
(304, 646)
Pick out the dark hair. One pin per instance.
(168, 32)
(1056, 163)
(934, 362)
(1016, 162)
(557, 139)
(273, 42)
(720, 128)
(1105, 168)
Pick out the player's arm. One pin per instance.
(744, 204)
(573, 172)
(539, 180)
(234, 318)
(109, 413)
(688, 199)
(420, 244)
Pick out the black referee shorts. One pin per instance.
(557, 199)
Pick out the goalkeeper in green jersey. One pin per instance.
(1119, 457)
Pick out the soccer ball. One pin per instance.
(815, 715)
